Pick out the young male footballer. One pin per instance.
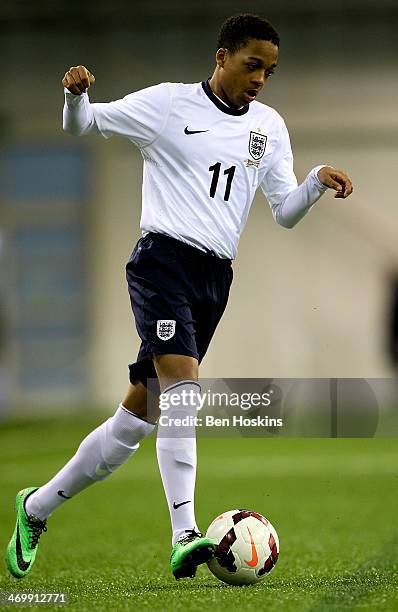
(207, 147)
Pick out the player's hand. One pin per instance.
(337, 180)
(77, 79)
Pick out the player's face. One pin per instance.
(243, 74)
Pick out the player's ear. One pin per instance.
(220, 57)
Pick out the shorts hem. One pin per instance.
(166, 351)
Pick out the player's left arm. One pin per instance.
(337, 180)
(289, 201)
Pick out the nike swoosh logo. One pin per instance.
(175, 506)
(22, 564)
(186, 131)
(254, 560)
(61, 494)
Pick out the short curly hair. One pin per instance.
(237, 30)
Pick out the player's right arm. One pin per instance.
(139, 116)
(78, 116)
(78, 79)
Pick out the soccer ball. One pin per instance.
(247, 547)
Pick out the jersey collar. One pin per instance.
(220, 105)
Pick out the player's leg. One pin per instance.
(207, 312)
(159, 288)
(176, 452)
(176, 445)
(98, 456)
(166, 281)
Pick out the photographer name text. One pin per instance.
(212, 421)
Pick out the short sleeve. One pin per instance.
(139, 116)
(280, 179)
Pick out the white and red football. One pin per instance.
(247, 547)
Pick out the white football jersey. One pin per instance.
(203, 160)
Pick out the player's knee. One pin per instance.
(172, 368)
(136, 400)
(117, 444)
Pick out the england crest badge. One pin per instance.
(165, 329)
(257, 144)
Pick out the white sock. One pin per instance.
(100, 453)
(176, 451)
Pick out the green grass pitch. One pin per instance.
(333, 502)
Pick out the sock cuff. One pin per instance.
(121, 407)
(126, 427)
(182, 383)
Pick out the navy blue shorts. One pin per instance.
(178, 294)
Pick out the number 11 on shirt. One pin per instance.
(216, 170)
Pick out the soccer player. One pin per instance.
(207, 147)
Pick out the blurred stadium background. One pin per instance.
(318, 301)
